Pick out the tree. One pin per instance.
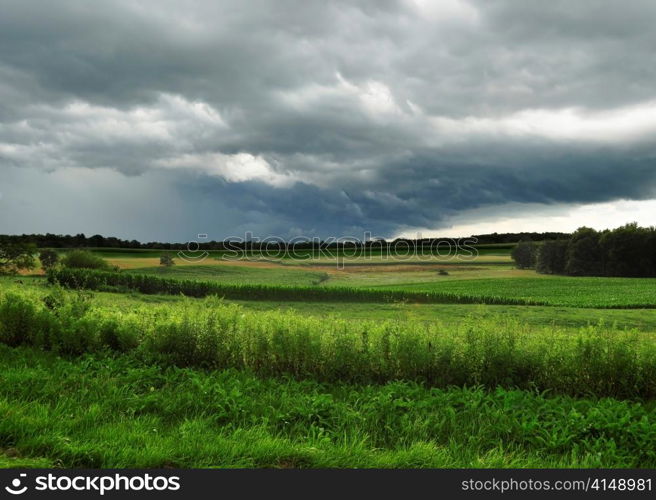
(628, 251)
(166, 260)
(524, 254)
(16, 256)
(584, 256)
(48, 258)
(552, 257)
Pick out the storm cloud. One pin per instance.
(161, 119)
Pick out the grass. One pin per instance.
(596, 361)
(452, 315)
(235, 274)
(553, 290)
(447, 314)
(149, 284)
(477, 278)
(101, 412)
(293, 380)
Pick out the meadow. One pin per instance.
(301, 363)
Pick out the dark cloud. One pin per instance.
(322, 118)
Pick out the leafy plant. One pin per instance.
(83, 259)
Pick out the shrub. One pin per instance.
(16, 256)
(83, 259)
(166, 260)
(48, 258)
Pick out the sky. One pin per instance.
(160, 120)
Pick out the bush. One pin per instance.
(83, 259)
(16, 256)
(48, 258)
(166, 260)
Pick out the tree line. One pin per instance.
(628, 251)
(80, 240)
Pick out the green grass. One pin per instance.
(446, 314)
(102, 412)
(553, 290)
(595, 360)
(149, 284)
(135, 380)
(235, 274)
(450, 314)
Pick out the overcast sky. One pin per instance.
(158, 120)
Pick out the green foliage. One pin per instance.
(107, 281)
(106, 412)
(166, 260)
(48, 258)
(237, 274)
(596, 360)
(16, 256)
(629, 251)
(524, 254)
(83, 259)
(552, 257)
(584, 256)
(620, 293)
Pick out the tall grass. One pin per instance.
(111, 281)
(595, 361)
(115, 411)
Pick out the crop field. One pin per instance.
(553, 290)
(330, 361)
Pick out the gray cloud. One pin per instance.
(322, 118)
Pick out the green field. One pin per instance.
(554, 290)
(120, 412)
(115, 378)
(235, 274)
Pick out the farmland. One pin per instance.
(297, 362)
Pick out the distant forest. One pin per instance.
(628, 251)
(98, 241)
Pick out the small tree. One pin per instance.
(16, 256)
(166, 260)
(48, 258)
(524, 254)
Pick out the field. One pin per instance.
(328, 361)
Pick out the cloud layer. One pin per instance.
(155, 120)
